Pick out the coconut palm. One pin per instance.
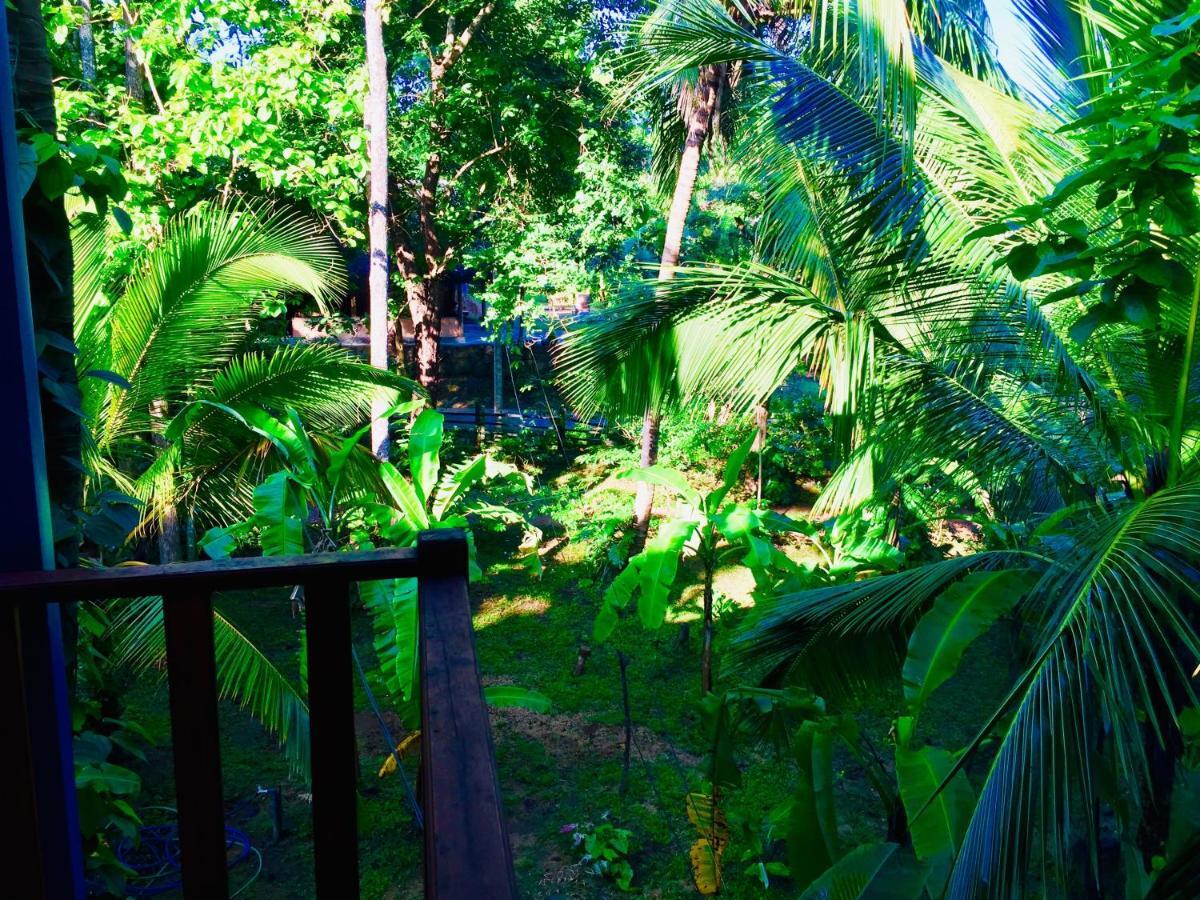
(937, 363)
(163, 353)
(844, 88)
(859, 244)
(178, 331)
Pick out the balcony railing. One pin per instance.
(467, 851)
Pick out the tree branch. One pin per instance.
(462, 170)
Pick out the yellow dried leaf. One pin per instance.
(402, 751)
(715, 827)
(706, 867)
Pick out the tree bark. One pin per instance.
(704, 107)
(51, 275)
(762, 418)
(135, 87)
(377, 203)
(422, 272)
(706, 654)
(427, 332)
(87, 47)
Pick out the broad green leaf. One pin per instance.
(404, 496)
(717, 719)
(424, 448)
(508, 695)
(733, 469)
(660, 562)
(219, 543)
(963, 612)
(461, 481)
(109, 777)
(339, 458)
(281, 434)
(661, 476)
(937, 829)
(876, 871)
(812, 825)
(279, 512)
(392, 605)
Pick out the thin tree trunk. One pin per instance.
(623, 662)
(423, 295)
(87, 47)
(421, 279)
(168, 525)
(377, 203)
(706, 646)
(704, 106)
(134, 85)
(762, 417)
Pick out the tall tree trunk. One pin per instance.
(375, 114)
(51, 271)
(704, 106)
(87, 47)
(427, 332)
(168, 523)
(422, 274)
(134, 85)
(422, 294)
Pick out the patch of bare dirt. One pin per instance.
(573, 736)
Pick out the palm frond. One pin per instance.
(1113, 649)
(181, 314)
(244, 674)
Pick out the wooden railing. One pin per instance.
(467, 851)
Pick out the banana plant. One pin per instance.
(795, 726)
(714, 529)
(331, 493)
(328, 493)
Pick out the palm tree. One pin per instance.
(937, 365)
(158, 364)
(178, 331)
(844, 203)
(698, 119)
(669, 52)
(376, 110)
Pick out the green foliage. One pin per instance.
(938, 802)
(106, 793)
(963, 612)
(873, 870)
(509, 695)
(650, 575)
(606, 850)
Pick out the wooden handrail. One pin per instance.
(66, 585)
(467, 851)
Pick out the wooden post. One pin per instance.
(37, 760)
(196, 742)
(331, 728)
(467, 853)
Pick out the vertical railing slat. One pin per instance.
(331, 726)
(467, 852)
(195, 738)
